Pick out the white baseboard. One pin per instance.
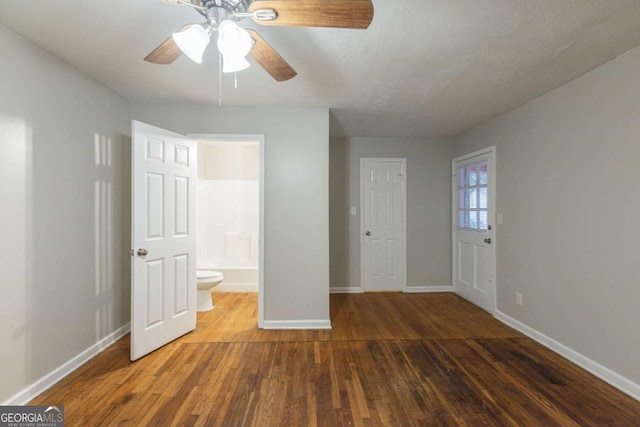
(423, 289)
(29, 393)
(408, 289)
(602, 372)
(346, 290)
(297, 324)
(236, 287)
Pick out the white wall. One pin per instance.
(238, 161)
(296, 269)
(568, 185)
(64, 213)
(428, 207)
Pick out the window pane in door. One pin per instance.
(462, 200)
(462, 182)
(483, 198)
(462, 219)
(483, 174)
(473, 198)
(483, 220)
(473, 176)
(473, 219)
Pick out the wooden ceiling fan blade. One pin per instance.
(167, 52)
(356, 14)
(269, 59)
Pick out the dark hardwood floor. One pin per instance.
(390, 360)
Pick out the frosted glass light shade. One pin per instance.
(234, 44)
(193, 42)
(233, 63)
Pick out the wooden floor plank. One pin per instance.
(391, 359)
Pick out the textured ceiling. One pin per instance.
(424, 67)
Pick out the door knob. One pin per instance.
(487, 240)
(367, 233)
(142, 252)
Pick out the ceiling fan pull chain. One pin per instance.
(235, 80)
(219, 80)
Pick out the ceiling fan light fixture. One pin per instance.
(234, 63)
(234, 44)
(193, 41)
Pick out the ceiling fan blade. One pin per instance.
(269, 59)
(167, 52)
(356, 14)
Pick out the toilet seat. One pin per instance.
(208, 276)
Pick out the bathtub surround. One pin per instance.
(227, 224)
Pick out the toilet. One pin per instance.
(207, 280)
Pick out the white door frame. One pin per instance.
(491, 153)
(403, 266)
(261, 140)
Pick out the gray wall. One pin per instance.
(64, 213)
(428, 207)
(567, 183)
(296, 231)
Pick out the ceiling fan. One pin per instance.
(235, 42)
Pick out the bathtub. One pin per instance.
(236, 279)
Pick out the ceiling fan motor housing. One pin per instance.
(220, 10)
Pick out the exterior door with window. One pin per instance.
(473, 229)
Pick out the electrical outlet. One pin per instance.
(518, 298)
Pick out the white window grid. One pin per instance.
(473, 187)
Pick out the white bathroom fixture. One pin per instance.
(207, 280)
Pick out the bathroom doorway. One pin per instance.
(230, 212)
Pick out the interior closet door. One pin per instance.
(383, 206)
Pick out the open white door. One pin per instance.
(163, 288)
(383, 207)
(473, 231)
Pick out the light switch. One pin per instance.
(354, 210)
(500, 218)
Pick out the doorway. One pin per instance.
(163, 288)
(473, 231)
(228, 210)
(382, 226)
(242, 247)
